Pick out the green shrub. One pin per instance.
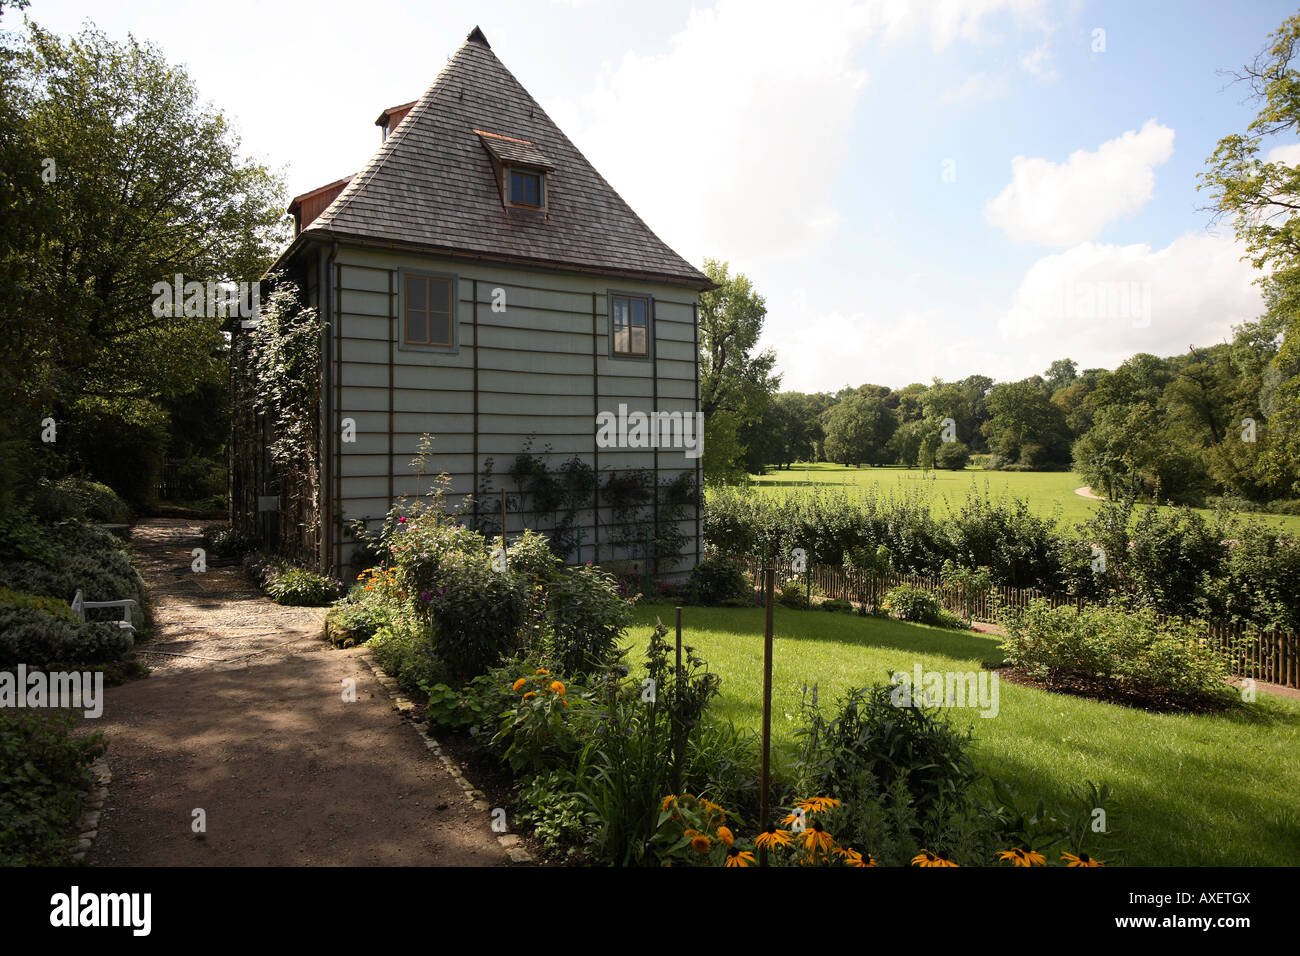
(1124, 654)
(226, 542)
(58, 560)
(50, 605)
(836, 604)
(475, 613)
(74, 497)
(357, 618)
(40, 640)
(300, 587)
(793, 593)
(909, 603)
(43, 769)
(477, 704)
(538, 732)
(585, 618)
(406, 657)
(718, 581)
(530, 557)
(558, 814)
(953, 455)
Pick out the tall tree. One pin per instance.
(736, 383)
(1261, 200)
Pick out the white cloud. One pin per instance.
(977, 87)
(1060, 204)
(1101, 303)
(750, 131)
(1038, 62)
(1289, 154)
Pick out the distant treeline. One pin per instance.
(1182, 429)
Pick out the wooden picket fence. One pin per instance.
(1272, 656)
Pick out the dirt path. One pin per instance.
(1086, 492)
(244, 718)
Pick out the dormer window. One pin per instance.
(520, 168)
(525, 188)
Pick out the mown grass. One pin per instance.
(1049, 493)
(1193, 790)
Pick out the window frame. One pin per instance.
(453, 281)
(648, 354)
(510, 169)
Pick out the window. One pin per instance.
(525, 187)
(427, 311)
(630, 323)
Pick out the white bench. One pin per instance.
(80, 605)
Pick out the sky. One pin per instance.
(918, 188)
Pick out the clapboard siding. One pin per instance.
(536, 367)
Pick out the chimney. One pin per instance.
(391, 117)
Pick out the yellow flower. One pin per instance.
(817, 804)
(771, 838)
(926, 858)
(668, 801)
(531, 693)
(701, 844)
(817, 839)
(1022, 857)
(519, 683)
(1081, 860)
(854, 858)
(738, 858)
(726, 836)
(542, 670)
(557, 687)
(690, 834)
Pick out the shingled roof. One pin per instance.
(432, 185)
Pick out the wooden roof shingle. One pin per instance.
(432, 184)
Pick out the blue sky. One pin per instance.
(857, 159)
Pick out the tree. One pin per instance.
(132, 180)
(1025, 428)
(859, 431)
(952, 454)
(1261, 199)
(736, 383)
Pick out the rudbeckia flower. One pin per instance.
(1081, 860)
(771, 838)
(926, 858)
(854, 858)
(818, 839)
(817, 804)
(738, 858)
(1023, 857)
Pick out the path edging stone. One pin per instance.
(509, 842)
(93, 807)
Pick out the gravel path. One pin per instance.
(243, 718)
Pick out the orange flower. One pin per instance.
(557, 687)
(1022, 857)
(854, 858)
(519, 683)
(771, 838)
(1081, 860)
(817, 804)
(531, 693)
(926, 858)
(701, 844)
(738, 858)
(726, 836)
(817, 839)
(668, 801)
(542, 670)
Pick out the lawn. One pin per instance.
(1188, 790)
(1048, 492)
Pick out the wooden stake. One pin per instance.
(764, 780)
